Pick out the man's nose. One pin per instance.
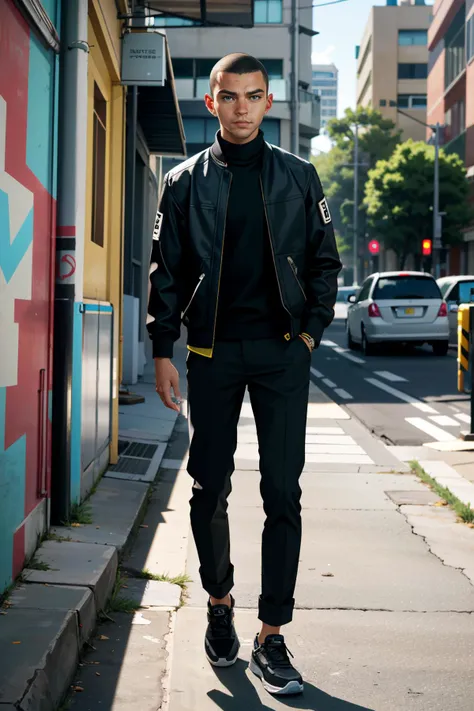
(241, 107)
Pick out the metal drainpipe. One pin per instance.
(72, 159)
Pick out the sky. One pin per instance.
(340, 28)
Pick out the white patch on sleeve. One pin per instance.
(324, 210)
(158, 223)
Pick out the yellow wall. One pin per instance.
(103, 265)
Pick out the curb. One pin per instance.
(52, 613)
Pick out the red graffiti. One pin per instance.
(71, 263)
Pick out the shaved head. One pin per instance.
(237, 63)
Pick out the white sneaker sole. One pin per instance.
(291, 689)
(222, 662)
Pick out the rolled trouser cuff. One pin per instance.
(221, 590)
(275, 615)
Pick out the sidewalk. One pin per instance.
(383, 605)
(384, 600)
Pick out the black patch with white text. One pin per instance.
(157, 227)
(324, 210)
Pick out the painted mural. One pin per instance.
(27, 227)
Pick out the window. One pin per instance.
(470, 39)
(412, 37)
(412, 71)
(455, 46)
(98, 170)
(365, 290)
(412, 101)
(192, 77)
(200, 132)
(406, 287)
(268, 12)
(323, 75)
(455, 121)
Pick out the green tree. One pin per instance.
(399, 198)
(377, 140)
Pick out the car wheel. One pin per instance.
(440, 348)
(368, 348)
(351, 344)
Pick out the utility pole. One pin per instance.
(436, 214)
(356, 204)
(294, 99)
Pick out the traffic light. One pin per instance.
(374, 246)
(426, 247)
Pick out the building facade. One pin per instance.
(28, 145)
(451, 98)
(196, 50)
(325, 85)
(392, 64)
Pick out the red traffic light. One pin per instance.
(374, 246)
(426, 247)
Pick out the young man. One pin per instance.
(245, 255)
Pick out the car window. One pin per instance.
(364, 291)
(453, 294)
(343, 296)
(466, 292)
(406, 287)
(444, 287)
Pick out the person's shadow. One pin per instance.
(243, 696)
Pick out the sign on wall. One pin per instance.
(143, 59)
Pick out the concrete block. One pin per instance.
(35, 672)
(416, 498)
(133, 661)
(153, 593)
(61, 598)
(115, 507)
(83, 564)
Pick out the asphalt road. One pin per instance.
(406, 397)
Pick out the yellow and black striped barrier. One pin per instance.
(463, 343)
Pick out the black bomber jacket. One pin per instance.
(188, 243)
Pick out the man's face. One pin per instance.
(240, 102)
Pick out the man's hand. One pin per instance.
(306, 342)
(167, 378)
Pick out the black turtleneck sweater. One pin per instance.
(249, 301)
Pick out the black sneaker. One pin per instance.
(271, 663)
(221, 643)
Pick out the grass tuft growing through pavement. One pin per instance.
(80, 514)
(36, 564)
(463, 511)
(181, 580)
(119, 603)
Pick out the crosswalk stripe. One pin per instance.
(444, 421)
(436, 432)
(392, 377)
(343, 393)
(329, 383)
(463, 418)
(316, 373)
(403, 396)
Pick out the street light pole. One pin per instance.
(356, 204)
(436, 214)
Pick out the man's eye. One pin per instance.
(228, 99)
(256, 97)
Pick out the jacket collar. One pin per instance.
(218, 155)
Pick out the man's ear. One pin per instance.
(269, 103)
(209, 101)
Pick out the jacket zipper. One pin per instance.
(220, 266)
(193, 295)
(294, 269)
(272, 250)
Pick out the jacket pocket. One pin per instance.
(193, 296)
(293, 289)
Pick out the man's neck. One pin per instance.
(239, 142)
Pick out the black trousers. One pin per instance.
(276, 374)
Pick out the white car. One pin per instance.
(398, 307)
(456, 290)
(342, 300)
